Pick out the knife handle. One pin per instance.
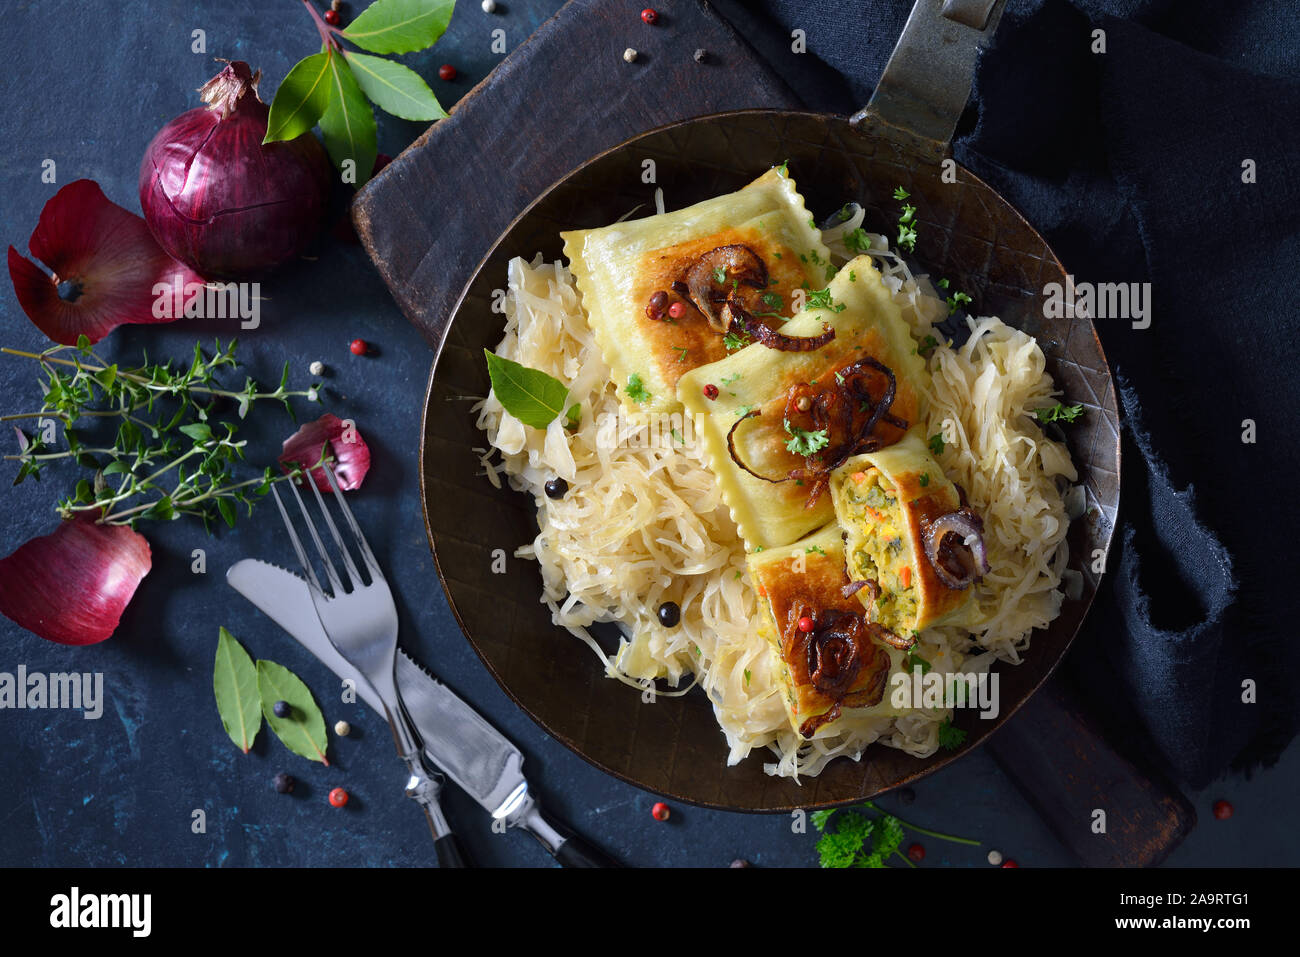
(449, 852)
(563, 843)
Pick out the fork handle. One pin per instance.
(449, 852)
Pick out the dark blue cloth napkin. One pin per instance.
(1130, 162)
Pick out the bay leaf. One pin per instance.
(303, 731)
(348, 123)
(400, 26)
(300, 100)
(234, 682)
(530, 395)
(395, 88)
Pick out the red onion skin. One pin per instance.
(218, 200)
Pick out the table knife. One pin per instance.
(472, 753)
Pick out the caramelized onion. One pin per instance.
(731, 450)
(954, 545)
(889, 637)
(845, 411)
(739, 320)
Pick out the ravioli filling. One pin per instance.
(877, 551)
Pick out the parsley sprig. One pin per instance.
(803, 442)
(857, 840)
(1059, 413)
(171, 455)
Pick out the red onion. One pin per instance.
(954, 545)
(217, 199)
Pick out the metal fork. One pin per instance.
(361, 622)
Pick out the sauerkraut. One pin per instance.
(643, 521)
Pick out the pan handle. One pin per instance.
(927, 81)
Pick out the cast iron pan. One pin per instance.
(967, 233)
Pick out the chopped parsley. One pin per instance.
(906, 238)
(720, 275)
(845, 213)
(950, 738)
(853, 276)
(925, 479)
(784, 168)
(906, 222)
(744, 410)
(772, 300)
(803, 442)
(683, 350)
(928, 345)
(830, 272)
(678, 436)
(916, 661)
(758, 548)
(573, 417)
(857, 241)
(812, 223)
(636, 389)
(942, 284)
(738, 574)
(822, 299)
(936, 443)
(728, 379)
(747, 676)
(735, 340)
(815, 548)
(778, 256)
(956, 301)
(1059, 413)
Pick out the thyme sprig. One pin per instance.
(170, 456)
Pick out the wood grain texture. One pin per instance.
(431, 216)
(1067, 771)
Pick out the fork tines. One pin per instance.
(353, 579)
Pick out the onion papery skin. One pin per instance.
(72, 585)
(351, 454)
(218, 200)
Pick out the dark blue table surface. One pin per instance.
(88, 85)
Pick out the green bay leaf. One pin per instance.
(530, 395)
(348, 123)
(400, 26)
(394, 88)
(303, 731)
(300, 100)
(234, 682)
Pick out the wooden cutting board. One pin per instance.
(430, 217)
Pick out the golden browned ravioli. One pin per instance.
(620, 268)
(887, 502)
(751, 425)
(838, 662)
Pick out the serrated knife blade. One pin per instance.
(464, 746)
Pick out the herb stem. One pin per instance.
(116, 453)
(158, 387)
(183, 505)
(906, 860)
(324, 29)
(922, 830)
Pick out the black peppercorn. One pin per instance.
(556, 488)
(284, 783)
(670, 613)
(282, 709)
